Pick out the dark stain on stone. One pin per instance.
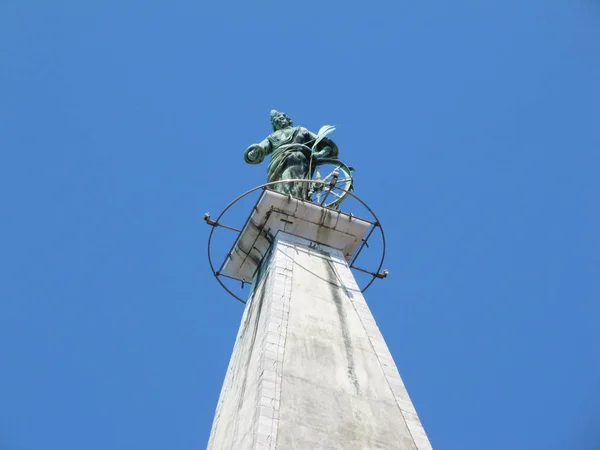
(335, 286)
(253, 317)
(254, 253)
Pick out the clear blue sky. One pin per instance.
(474, 126)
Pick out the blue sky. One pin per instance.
(473, 126)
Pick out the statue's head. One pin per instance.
(280, 120)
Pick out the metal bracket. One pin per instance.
(381, 275)
(212, 223)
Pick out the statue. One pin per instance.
(294, 152)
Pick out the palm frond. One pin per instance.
(324, 131)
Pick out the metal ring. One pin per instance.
(272, 183)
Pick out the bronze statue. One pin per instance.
(295, 153)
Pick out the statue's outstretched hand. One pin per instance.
(253, 154)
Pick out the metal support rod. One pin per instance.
(364, 242)
(212, 223)
(332, 183)
(220, 274)
(381, 275)
(260, 233)
(228, 227)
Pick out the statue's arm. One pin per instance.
(255, 154)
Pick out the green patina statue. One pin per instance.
(295, 153)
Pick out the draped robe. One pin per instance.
(290, 150)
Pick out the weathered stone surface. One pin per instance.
(310, 369)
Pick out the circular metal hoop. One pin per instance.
(344, 184)
(376, 224)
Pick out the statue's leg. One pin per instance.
(288, 174)
(280, 187)
(299, 171)
(296, 167)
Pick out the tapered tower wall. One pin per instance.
(310, 368)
